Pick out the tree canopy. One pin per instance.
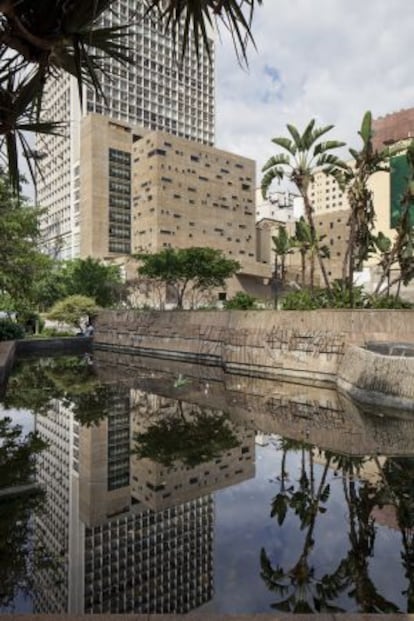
(73, 310)
(21, 262)
(198, 268)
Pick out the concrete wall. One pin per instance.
(368, 375)
(293, 345)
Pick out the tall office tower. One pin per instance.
(156, 91)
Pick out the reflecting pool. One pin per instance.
(136, 485)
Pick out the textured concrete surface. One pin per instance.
(306, 347)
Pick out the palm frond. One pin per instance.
(269, 177)
(276, 160)
(198, 16)
(297, 138)
(322, 147)
(321, 131)
(307, 136)
(287, 144)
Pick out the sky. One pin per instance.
(326, 59)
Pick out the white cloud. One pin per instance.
(328, 59)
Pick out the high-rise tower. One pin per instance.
(155, 91)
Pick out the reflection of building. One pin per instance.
(52, 525)
(107, 550)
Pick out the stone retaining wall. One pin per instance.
(301, 346)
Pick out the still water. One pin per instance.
(132, 485)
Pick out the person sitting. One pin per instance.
(89, 330)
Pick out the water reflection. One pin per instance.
(19, 498)
(127, 513)
(300, 588)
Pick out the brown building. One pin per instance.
(393, 127)
(146, 190)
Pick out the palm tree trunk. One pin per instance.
(311, 222)
(303, 265)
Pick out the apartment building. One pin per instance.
(155, 91)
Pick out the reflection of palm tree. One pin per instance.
(298, 588)
(354, 569)
(398, 487)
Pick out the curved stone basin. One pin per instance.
(391, 349)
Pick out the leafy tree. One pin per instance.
(92, 278)
(73, 310)
(303, 155)
(10, 330)
(182, 269)
(21, 263)
(39, 39)
(195, 439)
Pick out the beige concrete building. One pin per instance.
(143, 190)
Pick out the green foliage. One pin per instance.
(196, 268)
(386, 301)
(21, 263)
(73, 310)
(10, 330)
(241, 301)
(338, 297)
(367, 162)
(92, 278)
(17, 467)
(305, 154)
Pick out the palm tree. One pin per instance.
(38, 39)
(282, 247)
(402, 251)
(306, 243)
(304, 155)
(361, 201)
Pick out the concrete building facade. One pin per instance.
(143, 190)
(154, 91)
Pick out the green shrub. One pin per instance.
(300, 300)
(241, 301)
(386, 301)
(10, 331)
(52, 332)
(340, 298)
